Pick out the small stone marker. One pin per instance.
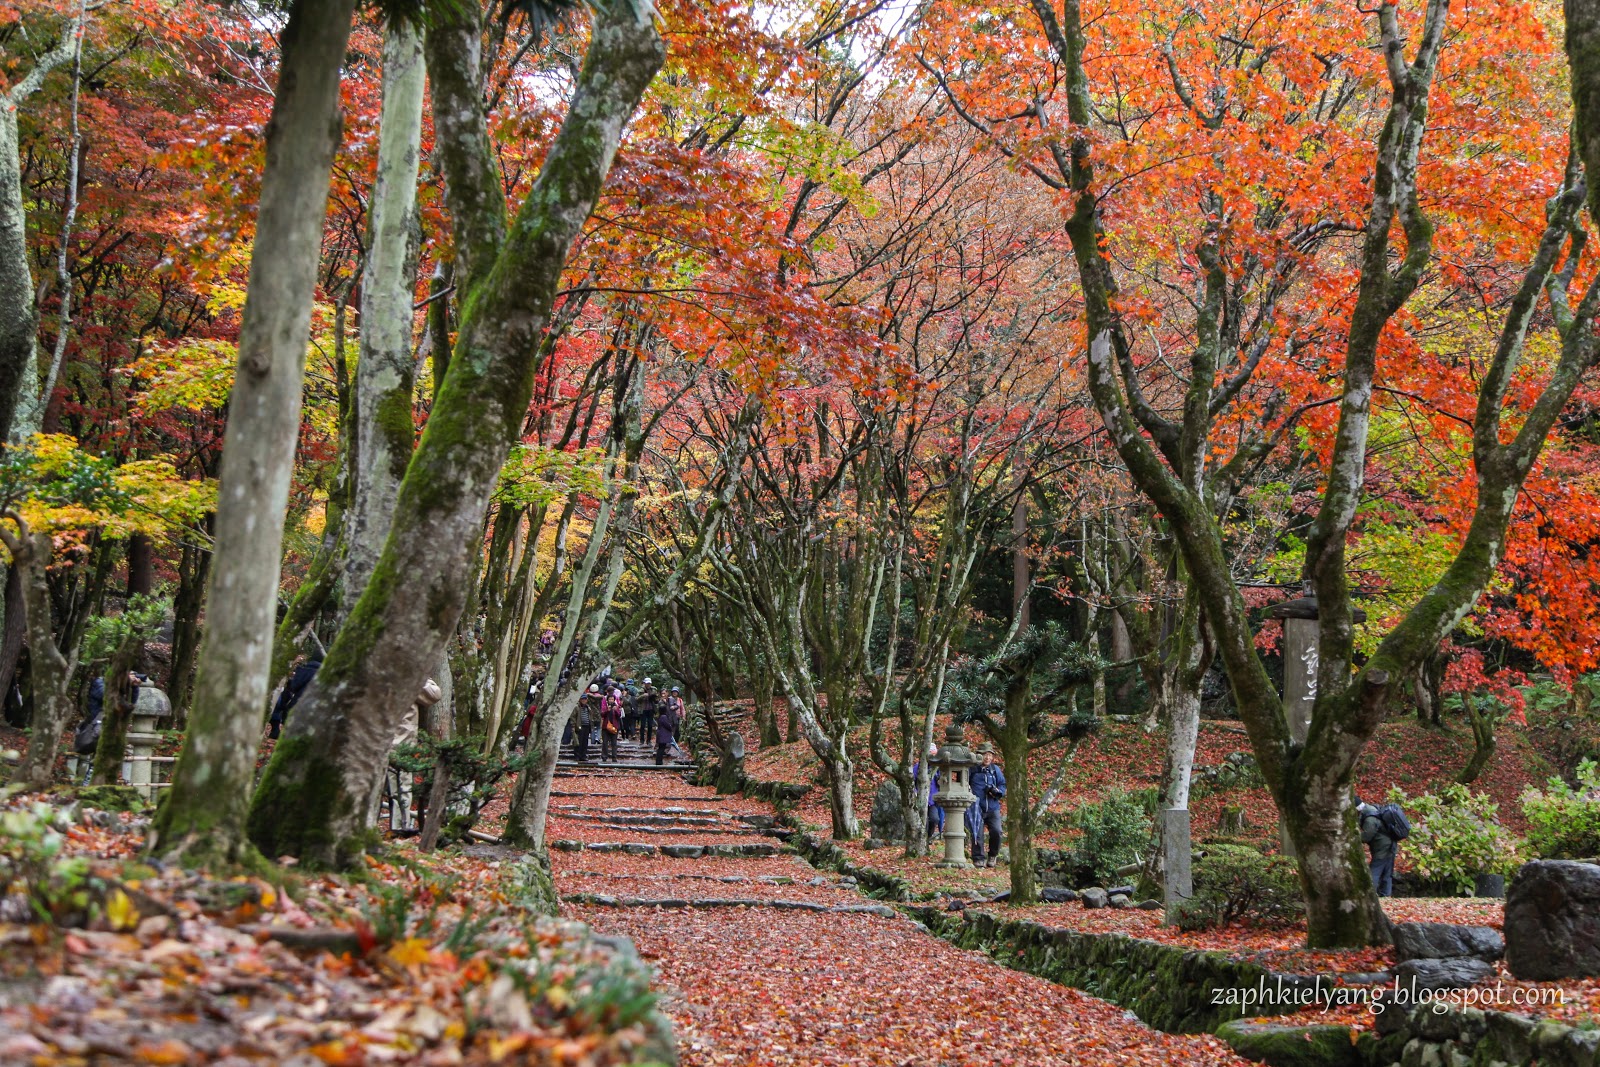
(1177, 878)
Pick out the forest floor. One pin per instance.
(429, 959)
(764, 960)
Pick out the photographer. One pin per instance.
(989, 786)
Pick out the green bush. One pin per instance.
(33, 868)
(1455, 836)
(1236, 884)
(1114, 832)
(1563, 822)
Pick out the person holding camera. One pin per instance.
(989, 786)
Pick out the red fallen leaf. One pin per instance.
(342, 1053)
(364, 934)
(169, 1051)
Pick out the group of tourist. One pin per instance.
(982, 818)
(625, 710)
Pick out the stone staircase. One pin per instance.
(632, 756)
(643, 841)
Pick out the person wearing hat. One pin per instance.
(588, 712)
(648, 699)
(989, 786)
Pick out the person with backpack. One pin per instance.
(667, 726)
(86, 738)
(293, 689)
(610, 725)
(1382, 830)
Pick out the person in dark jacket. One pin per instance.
(1380, 846)
(935, 812)
(989, 786)
(88, 733)
(587, 715)
(648, 699)
(667, 726)
(293, 689)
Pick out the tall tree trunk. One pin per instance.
(311, 800)
(1014, 745)
(50, 668)
(141, 570)
(385, 373)
(19, 318)
(839, 770)
(116, 710)
(194, 565)
(203, 814)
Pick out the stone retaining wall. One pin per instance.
(821, 852)
(1167, 987)
(1469, 1037)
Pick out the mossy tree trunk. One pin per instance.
(116, 709)
(202, 816)
(385, 429)
(19, 320)
(50, 668)
(1167, 459)
(312, 798)
(194, 566)
(1012, 739)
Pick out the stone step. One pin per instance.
(605, 900)
(636, 796)
(680, 831)
(592, 766)
(751, 850)
(634, 811)
(645, 820)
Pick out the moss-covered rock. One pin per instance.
(112, 798)
(1292, 1046)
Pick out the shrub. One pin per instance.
(1115, 832)
(1455, 835)
(1563, 822)
(34, 872)
(1236, 884)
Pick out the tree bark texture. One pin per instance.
(50, 668)
(312, 798)
(385, 373)
(204, 812)
(19, 319)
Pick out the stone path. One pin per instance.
(763, 960)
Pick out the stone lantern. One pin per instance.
(138, 770)
(955, 795)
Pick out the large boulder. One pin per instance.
(1291, 1046)
(1095, 897)
(1444, 941)
(1553, 921)
(1418, 975)
(888, 812)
